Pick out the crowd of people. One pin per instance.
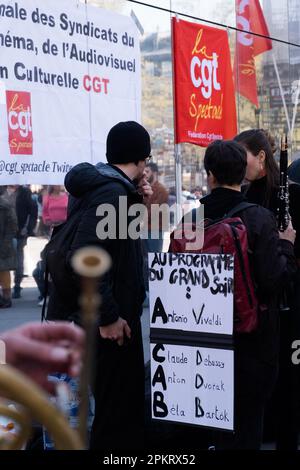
(238, 171)
(24, 214)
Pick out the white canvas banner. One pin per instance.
(68, 73)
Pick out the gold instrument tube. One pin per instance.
(17, 387)
(23, 421)
(90, 263)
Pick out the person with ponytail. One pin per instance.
(262, 187)
(262, 174)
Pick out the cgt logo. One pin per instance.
(19, 122)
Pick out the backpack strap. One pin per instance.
(239, 208)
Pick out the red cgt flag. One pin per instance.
(249, 17)
(203, 84)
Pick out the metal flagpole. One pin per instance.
(178, 176)
(237, 86)
(281, 92)
(295, 108)
(177, 147)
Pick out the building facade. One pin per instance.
(283, 20)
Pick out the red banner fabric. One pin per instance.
(203, 84)
(249, 17)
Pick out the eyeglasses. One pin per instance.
(148, 159)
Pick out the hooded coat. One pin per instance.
(122, 288)
(8, 231)
(27, 212)
(119, 370)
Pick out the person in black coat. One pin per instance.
(119, 362)
(8, 229)
(27, 211)
(262, 175)
(273, 264)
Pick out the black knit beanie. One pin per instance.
(127, 142)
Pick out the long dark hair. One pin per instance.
(256, 140)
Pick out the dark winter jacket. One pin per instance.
(27, 211)
(273, 265)
(122, 288)
(8, 231)
(256, 192)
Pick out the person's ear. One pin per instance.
(211, 180)
(262, 156)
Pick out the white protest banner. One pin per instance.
(68, 73)
(192, 385)
(191, 292)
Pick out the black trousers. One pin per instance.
(119, 392)
(19, 272)
(283, 413)
(254, 383)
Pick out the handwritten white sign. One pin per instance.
(191, 292)
(192, 385)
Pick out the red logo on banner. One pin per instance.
(204, 92)
(19, 122)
